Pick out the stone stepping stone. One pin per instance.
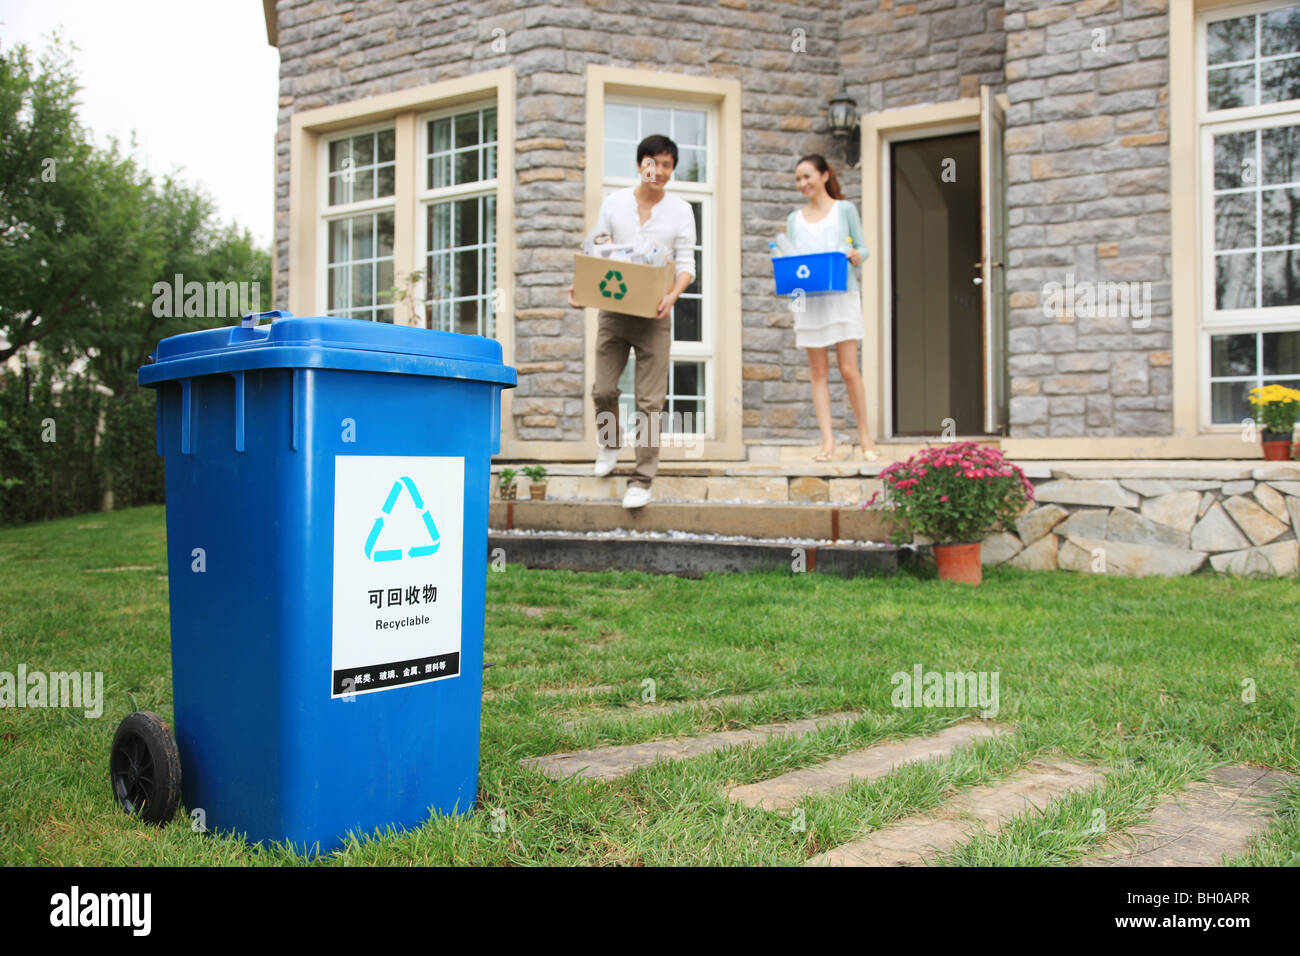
(638, 709)
(918, 838)
(1201, 826)
(606, 763)
(787, 790)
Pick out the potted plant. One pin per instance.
(1276, 410)
(506, 484)
(954, 495)
(536, 481)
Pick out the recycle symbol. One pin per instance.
(802, 272)
(395, 554)
(622, 286)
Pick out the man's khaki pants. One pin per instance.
(652, 339)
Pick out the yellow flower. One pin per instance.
(1275, 393)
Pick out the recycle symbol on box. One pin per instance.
(802, 272)
(610, 276)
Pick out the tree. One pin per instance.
(72, 216)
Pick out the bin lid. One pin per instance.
(328, 343)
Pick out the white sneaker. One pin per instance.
(605, 461)
(636, 497)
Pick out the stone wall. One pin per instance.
(1088, 202)
(1233, 517)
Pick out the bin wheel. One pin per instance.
(144, 768)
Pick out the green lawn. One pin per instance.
(1143, 676)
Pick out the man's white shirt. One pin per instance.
(671, 225)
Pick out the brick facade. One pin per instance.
(1087, 163)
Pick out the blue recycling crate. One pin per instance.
(815, 273)
(327, 501)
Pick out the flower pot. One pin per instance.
(1277, 450)
(507, 492)
(537, 490)
(959, 562)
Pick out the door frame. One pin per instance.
(879, 131)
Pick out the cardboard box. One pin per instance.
(627, 287)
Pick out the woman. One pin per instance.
(834, 318)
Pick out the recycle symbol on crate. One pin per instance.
(802, 272)
(608, 292)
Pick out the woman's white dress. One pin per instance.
(831, 317)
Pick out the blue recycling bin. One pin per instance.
(816, 273)
(327, 501)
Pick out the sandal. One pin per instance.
(825, 456)
(870, 454)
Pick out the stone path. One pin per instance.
(606, 763)
(1201, 826)
(785, 791)
(921, 837)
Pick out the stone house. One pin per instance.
(1083, 218)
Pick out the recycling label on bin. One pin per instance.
(398, 546)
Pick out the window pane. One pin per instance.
(363, 149)
(384, 283)
(490, 162)
(688, 415)
(338, 287)
(688, 378)
(1234, 220)
(466, 273)
(1279, 80)
(439, 278)
(340, 150)
(363, 187)
(363, 237)
(440, 135)
(689, 127)
(620, 159)
(466, 130)
(440, 226)
(1231, 40)
(686, 320)
(1231, 87)
(490, 125)
(466, 220)
(384, 181)
(690, 166)
(1232, 355)
(439, 172)
(339, 233)
(385, 233)
(490, 219)
(1229, 401)
(1281, 278)
(1279, 31)
(363, 286)
(1281, 159)
(1282, 353)
(654, 120)
(387, 145)
(467, 317)
(620, 122)
(467, 166)
(1235, 164)
(1234, 282)
(1281, 216)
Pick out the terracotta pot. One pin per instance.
(959, 562)
(1277, 450)
(537, 490)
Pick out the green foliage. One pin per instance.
(535, 473)
(954, 494)
(66, 442)
(506, 478)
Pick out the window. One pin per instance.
(1250, 158)
(359, 224)
(459, 213)
(689, 407)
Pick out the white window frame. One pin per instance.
(426, 196)
(704, 351)
(328, 213)
(1209, 123)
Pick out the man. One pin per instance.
(643, 211)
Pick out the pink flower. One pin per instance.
(943, 497)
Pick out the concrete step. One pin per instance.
(787, 790)
(1202, 826)
(692, 556)
(925, 836)
(607, 763)
(816, 522)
